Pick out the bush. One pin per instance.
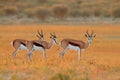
(42, 13)
(86, 13)
(106, 13)
(75, 13)
(11, 10)
(8, 0)
(116, 13)
(1, 6)
(101, 12)
(96, 12)
(2, 13)
(60, 76)
(29, 12)
(42, 1)
(16, 76)
(60, 10)
(79, 1)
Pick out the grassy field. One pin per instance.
(101, 61)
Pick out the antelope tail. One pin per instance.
(11, 43)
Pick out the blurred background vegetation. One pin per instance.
(57, 10)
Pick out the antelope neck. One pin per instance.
(50, 44)
(87, 44)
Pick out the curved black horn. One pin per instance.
(92, 33)
(38, 36)
(41, 31)
(87, 33)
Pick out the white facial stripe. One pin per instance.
(89, 39)
(55, 41)
(22, 47)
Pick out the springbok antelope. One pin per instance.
(41, 45)
(77, 45)
(21, 44)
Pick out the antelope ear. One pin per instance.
(94, 36)
(86, 35)
(51, 34)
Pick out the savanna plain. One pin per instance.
(101, 61)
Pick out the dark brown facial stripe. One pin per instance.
(37, 44)
(23, 43)
(74, 44)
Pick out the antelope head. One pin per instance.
(40, 35)
(90, 36)
(53, 37)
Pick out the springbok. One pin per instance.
(41, 45)
(21, 44)
(77, 45)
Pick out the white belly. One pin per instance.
(73, 47)
(37, 48)
(22, 47)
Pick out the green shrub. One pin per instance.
(8, 0)
(101, 12)
(59, 10)
(86, 13)
(60, 76)
(75, 13)
(16, 76)
(11, 10)
(42, 1)
(106, 13)
(79, 1)
(29, 12)
(116, 13)
(2, 13)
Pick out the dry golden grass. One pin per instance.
(101, 61)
